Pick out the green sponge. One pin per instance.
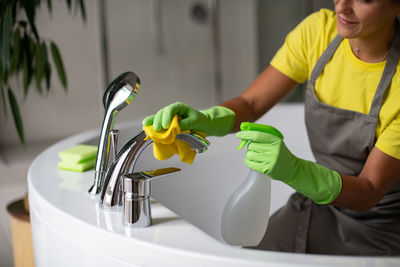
(78, 153)
(79, 158)
(75, 166)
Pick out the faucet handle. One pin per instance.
(158, 173)
(136, 186)
(134, 182)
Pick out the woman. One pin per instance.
(349, 201)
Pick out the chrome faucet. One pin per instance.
(126, 160)
(118, 95)
(108, 180)
(123, 186)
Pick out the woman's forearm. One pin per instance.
(380, 173)
(267, 90)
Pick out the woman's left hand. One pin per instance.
(268, 154)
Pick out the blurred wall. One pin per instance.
(250, 33)
(182, 72)
(275, 20)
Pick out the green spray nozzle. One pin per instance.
(250, 126)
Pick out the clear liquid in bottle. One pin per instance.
(245, 216)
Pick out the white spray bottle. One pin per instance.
(245, 215)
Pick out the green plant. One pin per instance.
(25, 55)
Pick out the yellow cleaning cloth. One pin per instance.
(166, 145)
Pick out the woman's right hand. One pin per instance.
(215, 121)
(190, 117)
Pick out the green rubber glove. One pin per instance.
(268, 154)
(215, 121)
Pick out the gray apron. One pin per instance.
(341, 140)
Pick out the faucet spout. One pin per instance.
(125, 163)
(118, 95)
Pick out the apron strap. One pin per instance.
(324, 58)
(388, 72)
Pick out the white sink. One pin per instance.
(71, 229)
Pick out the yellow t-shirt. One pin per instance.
(346, 81)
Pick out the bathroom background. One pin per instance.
(199, 52)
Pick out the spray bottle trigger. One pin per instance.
(242, 144)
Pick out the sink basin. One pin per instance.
(70, 228)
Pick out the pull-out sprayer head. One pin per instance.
(118, 95)
(121, 91)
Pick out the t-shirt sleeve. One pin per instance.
(389, 140)
(289, 61)
(296, 56)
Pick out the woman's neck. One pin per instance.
(373, 49)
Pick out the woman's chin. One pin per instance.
(346, 33)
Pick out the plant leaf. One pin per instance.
(50, 6)
(83, 10)
(2, 67)
(3, 101)
(81, 4)
(5, 38)
(4, 5)
(59, 64)
(27, 60)
(30, 9)
(2, 81)
(17, 116)
(32, 47)
(39, 68)
(69, 4)
(16, 52)
(47, 67)
(26, 76)
(44, 52)
(14, 8)
(47, 72)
